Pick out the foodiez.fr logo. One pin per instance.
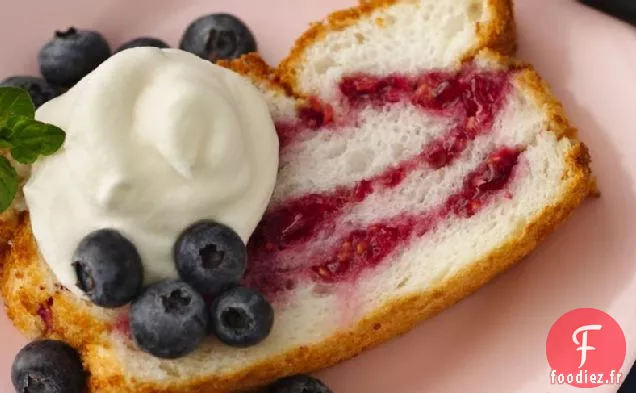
(586, 348)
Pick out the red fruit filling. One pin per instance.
(312, 115)
(122, 324)
(491, 176)
(470, 98)
(315, 114)
(361, 248)
(362, 89)
(369, 246)
(468, 92)
(45, 312)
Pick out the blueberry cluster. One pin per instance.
(73, 53)
(168, 319)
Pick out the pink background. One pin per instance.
(495, 340)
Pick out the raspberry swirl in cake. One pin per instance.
(318, 236)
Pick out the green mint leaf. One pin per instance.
(27, 138)
(15, 102)
(30, 139)
(24, 155)
(4, 142)
(8, 184)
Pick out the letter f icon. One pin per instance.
(583, 343)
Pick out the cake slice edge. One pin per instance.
(39, 307)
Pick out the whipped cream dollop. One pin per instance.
(156, 139)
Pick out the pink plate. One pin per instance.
(495, 340)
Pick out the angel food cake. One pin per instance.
(216, 228)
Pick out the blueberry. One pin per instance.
(299, 384)
(71, 55)
(108, 268)
(169, 319)
(241, 317)
(143, 42)
(218, 36)
(39, 90)
(48, 366)
(210, 256)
